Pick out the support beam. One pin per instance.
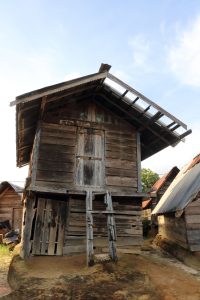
(182, 136)
(72, 92)
(145, 110)
(89, 227)
(134, 101)
(171, 124)
(174, 128)
(112, 234)
(124, 94)
(139, 163)
(136, 119)
(153, 119)
(42, 108)
(147, 100)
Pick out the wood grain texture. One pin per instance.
(127, 218)
(97, 160)
(49, 227)
(11, 208)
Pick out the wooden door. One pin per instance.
(90, 157)
(17, 218)
(49, 227)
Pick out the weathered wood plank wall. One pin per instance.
(173, 229)
(11, 208)
(192, 218)
(128, 225)
(57, 163)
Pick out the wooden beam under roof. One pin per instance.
(154, 118)
(42, 107)
(140, 111)
(134, 118)
(69, 93)
(126, 86)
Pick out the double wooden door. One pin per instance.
(49, 227)
(90, 158)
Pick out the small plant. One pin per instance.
(4, 250)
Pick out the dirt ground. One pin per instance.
(150, 275)
(4, 266)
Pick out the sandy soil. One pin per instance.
(151, 275)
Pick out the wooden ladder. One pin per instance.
(111, 227)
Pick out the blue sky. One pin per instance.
(152, 45)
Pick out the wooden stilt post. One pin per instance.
(112, 236)
(89, 226)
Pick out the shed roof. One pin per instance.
(162, 180)
(16, 188)
(182, 190)
(157, 127)
(159, 184)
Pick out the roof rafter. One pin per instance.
(147, 100)
(136, 119)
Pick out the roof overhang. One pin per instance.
(183, 189)
(145, 115)
(7, 184)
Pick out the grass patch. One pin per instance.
(4, 250)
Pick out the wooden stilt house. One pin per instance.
(11, 205)
(84, 140)
(179, 209)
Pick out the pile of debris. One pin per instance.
(9, 237)
(4, 228)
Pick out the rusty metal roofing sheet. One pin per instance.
(182, 190)
(159, 183)
(145, 203)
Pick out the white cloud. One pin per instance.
(141, 49)
(178, 156)
(184, 55)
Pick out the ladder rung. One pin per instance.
(101, 212)
(111, 226)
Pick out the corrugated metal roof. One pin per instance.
(5, 184)
(182, 190)
(159, 184)
(195, 161)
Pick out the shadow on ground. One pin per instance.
(67, 278)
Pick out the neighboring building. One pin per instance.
(84, 140)
(179, 208)
(11, 204)
(157, 191)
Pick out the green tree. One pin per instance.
(148, 179)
